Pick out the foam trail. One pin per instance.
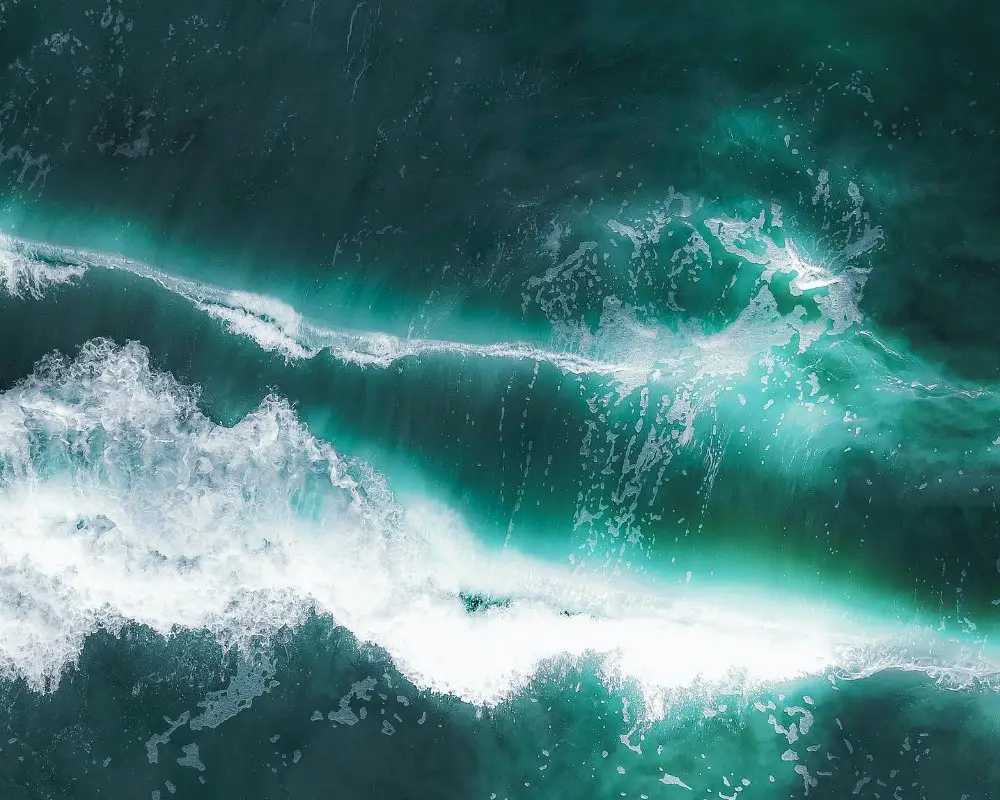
(276, 326)
(120, 501)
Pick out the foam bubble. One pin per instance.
(120, 501)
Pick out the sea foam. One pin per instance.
(24, 275)
(121, 502)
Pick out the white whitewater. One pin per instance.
(121, 502)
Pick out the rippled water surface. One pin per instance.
(499, 400)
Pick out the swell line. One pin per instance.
(27, 268)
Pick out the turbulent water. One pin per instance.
(499, 401)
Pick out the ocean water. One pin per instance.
(499, 401)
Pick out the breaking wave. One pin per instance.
(121, 502)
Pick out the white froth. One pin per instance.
(838, 292)
(120, 501)
(23, 276)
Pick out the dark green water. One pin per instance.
(501, 401)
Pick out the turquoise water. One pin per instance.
(498, 401)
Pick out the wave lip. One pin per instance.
(22, 274)
(622, 350)
(273, 324)
(121, 502)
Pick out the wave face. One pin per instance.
(498, 401)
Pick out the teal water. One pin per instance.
(498, 401)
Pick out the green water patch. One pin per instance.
(479, 603)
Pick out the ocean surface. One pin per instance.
(499, 400)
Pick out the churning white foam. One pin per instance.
(120, 501)
(22, 275)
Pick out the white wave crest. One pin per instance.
(21, 275)
(120, 500)
(622, 349)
